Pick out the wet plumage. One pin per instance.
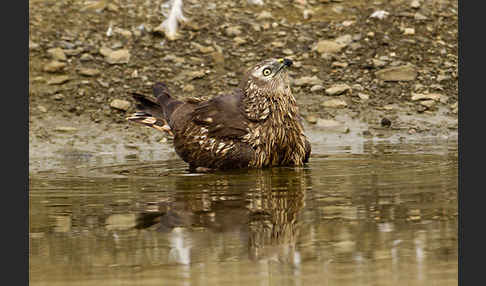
(257, 125)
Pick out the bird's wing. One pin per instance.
(222, 116)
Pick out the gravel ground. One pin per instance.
(363, 69)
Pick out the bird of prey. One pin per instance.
(257, 125)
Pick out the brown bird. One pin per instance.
(257, 125)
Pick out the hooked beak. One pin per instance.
(283, 63)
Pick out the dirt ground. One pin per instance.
(355, 75)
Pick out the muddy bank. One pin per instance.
(356, 77)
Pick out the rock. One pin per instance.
(344, 40)
(239, 40)
(86, 57)
(218, 58)
(363, 96)
(385, 122)
(264, 15)
(429, 96)
(203, 49)
(378, 63)
(312, 119)
(308, 80)
(428, 103)
(338, 89)
(54, 66)
(334, 103)
(89, 72)
(317, 87)
(232, 31)
(195, 75)
(399, 73)
(415, 4)
(33, 46)
(419, 17)
(409, 31)
(58, 80)
(42, 108)
(120, 104)
(57, 54)
(327, 47)
(339, 65)
(115, 57)
(188, 88)
(443, 77)
(65, 129)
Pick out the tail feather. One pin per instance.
(155, 112)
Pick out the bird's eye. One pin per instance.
(267, 71)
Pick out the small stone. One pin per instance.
(429, 96)
(65, 129)
(415, 4)
(57, 54)
(195, 74)
(363, 96)
(312, 119)
(42, 108)
(332, 125)
(188, 88)
(409, 31)
(334, 103)
(328, 47)
(203, 49)
(239, 40)
(54, 66)
(428, 103)
(316, 88)
(116, 57)
(385, 122)
(33, 46)
(308, 80)
(419, 17)
(288, 52)
(378, 63)
(218, 58)
(264, 15)
(120, 104)
(58, 80)
(344, 40)
(58, 97)
(399, 73)
(233, 31)
(88, 72)
(443, 77)
(338, 89)
(86, 57)
(278, 44)
(339, 65)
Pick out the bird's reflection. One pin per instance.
(263, 207)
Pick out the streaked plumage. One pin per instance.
(257, 125)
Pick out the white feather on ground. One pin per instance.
(170, 25)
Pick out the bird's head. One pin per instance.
(268, 77)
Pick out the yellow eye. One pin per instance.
(267, 71)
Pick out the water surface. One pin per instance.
(381, 213)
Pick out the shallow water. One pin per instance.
(380, 214)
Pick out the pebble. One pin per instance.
(338, 89)
(203, 49)
(328, 47)
(65, 129)
(42, 108)
(399, 73)
(344, 40)
(385, 122)
(89, 72)
(58, 80)
(409, 31)
(264, 15)
(363, 96)
(33, 46)
(57, 54)
(428, 103)
(429, 96)
(415, 4)
(188, 88)
(316, 88)
(86, 57)
(312, 119)
(120, 104)
(116, 57)
(334, 103)
(233, 31)
(339, 65)
(308, 80)
(54, 66)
